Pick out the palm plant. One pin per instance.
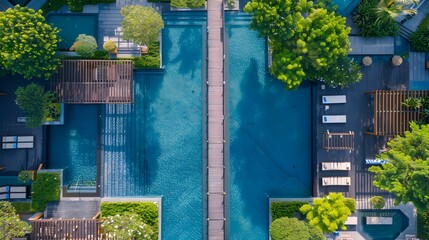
(394, 8)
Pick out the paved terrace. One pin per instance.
(359, 110)
(15, 160)
(216, 167)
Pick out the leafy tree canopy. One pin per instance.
(306, 41)
(377, 202)
(27, 43)
(406, 172)
(328, 213)
(288, 229)
(10, 224)
(34, 102)
(141, 24)
(127, 226)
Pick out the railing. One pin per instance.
(339, 141)
(82, 229)
(94, 81)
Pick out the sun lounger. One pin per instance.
(4, 189)
(327, 166)
(334, 118)
(336, 181)
(17, 189)
(18, 195)
(4, 196)
(375, 161)
(6, 139)
(25, 145)
(351, 221)
(334, 99)
(8, 145)
(25, 139)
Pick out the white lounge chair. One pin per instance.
(18, 195)
(328, 166)
(25, 145)
(334, 118)
(336, 181)
(25, 138)
(4, 189)
(4, 196)
(375, 161)
(18, 189)
(351, 221)
(334, 99)
(8, 139)
(8, 145)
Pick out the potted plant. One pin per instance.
(111, 47)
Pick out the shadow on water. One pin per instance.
(270, 138)
(187, 56)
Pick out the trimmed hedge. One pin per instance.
(371, 23)
(188, 3)
(147, 211)
(22, 207)
(285, 209)
(75, 5)
(46, 188)
(419, 39)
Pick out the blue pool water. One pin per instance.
(154, 147)
(73, 146)
(382, 232)
(270, 134)
(71, 25)
(345, 7)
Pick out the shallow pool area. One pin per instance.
(380, 231)
(73, 146)
(270, 134)
(73, 24)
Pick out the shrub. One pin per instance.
(22, 207)
(100, 54)
(188, 3)
(372, 23)
(85, 50)
(285, 209)
(127, 226)
(419, 39)
(350, 203)
(109, 46)
(377, 202)
(25, 176)
(34, 102)
(147, 211)
(10, 224)
(289, 228)
(46, 188)
(150, 60)
(423, 225)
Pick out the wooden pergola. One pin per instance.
(83, 229)
(94, 81)
(390, 117)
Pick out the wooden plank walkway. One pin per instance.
(216, 167)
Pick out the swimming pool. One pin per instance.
(345, 7)
(154, 146)
(270, 134)
(73, 24)
(382, 232)
(73, 146)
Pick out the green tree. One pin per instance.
(10, 224)
(141, 25)
(328, 213)
(377, 202)
(126, 226)
(34, 102)
(27, 43)
(406, 172)
(306, 41)
(288, 229)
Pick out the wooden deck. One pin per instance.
(216, 166)
(94, 81)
